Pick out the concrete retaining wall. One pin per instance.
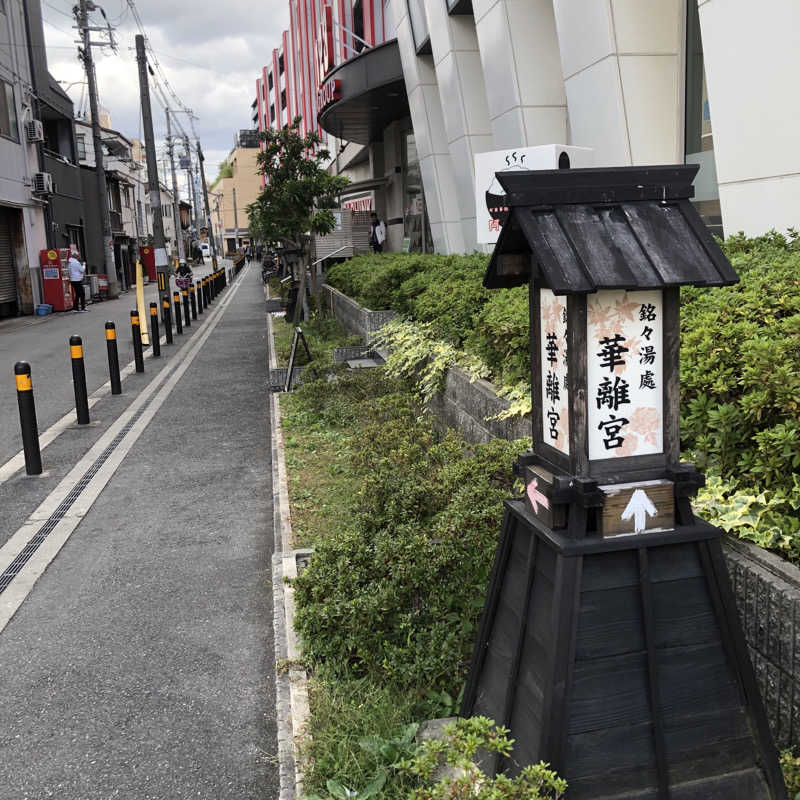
(767, 588)
(471, 407)
(353, 317)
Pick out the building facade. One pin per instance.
(64, 209)
(230, 196)
(338, 68)
(638, 81)
(128, 200)
(22, 223)
(409, 91)
(41, 199)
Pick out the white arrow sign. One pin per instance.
(638, 507)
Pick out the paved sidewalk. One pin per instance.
(141, 664)
(43, 342)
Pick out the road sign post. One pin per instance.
(610, 642)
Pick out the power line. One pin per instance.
(154, 63)
(58, 10)
(60, 30)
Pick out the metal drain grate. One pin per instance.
(15, 567)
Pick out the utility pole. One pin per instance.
(176, 208)
(190, 181)
(201, 159)
(235, 220)
(107, 245)
(220, 229)
(154, 187)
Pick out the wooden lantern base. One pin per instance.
(621, 662)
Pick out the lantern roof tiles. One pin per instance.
(605, 228)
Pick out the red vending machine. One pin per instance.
(148, 256)
(55, 279)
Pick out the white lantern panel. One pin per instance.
(625, 373)
(555, 395)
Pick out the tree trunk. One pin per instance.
(301, 293)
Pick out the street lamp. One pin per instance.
(610, 642)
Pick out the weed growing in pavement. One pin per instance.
(448, 770)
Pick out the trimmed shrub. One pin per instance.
(398, 593)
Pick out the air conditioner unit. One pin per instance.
(43, 183)
(34, 131)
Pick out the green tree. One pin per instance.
(296, 199)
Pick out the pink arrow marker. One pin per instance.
(536, 497)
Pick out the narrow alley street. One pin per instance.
(140, 663)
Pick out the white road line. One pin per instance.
(12, 598)
(17, 462)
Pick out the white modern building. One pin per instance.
(638, 81)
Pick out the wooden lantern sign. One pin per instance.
(610, 642)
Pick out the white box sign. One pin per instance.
(488, 192)
(625, 373)
(555, 397)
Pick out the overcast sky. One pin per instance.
(212, 54)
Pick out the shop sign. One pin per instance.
(624, 344)
(365, 203)
(324, 44)
(328, 93)
(491, 208)
(555, 387)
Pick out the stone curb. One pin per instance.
(291, 686)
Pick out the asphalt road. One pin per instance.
(44, 343)
(141, 664)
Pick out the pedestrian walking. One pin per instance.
(184, 277)
(378, 234)
(76, 273)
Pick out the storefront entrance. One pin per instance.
(8, 269)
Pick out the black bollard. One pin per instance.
(176, 305)
(155, 338)
(79, 380)
(113, 358)
(206, 292)
(193, 301)
(167, 320)
(136, 331)
(199, 294)
(27, 418)
(187, 317)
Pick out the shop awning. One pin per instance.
(371, 95)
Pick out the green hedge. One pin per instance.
(740, 358)
(397, 594)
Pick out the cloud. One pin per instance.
(212, 55)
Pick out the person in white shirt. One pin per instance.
(378, 233)
(76, 273)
